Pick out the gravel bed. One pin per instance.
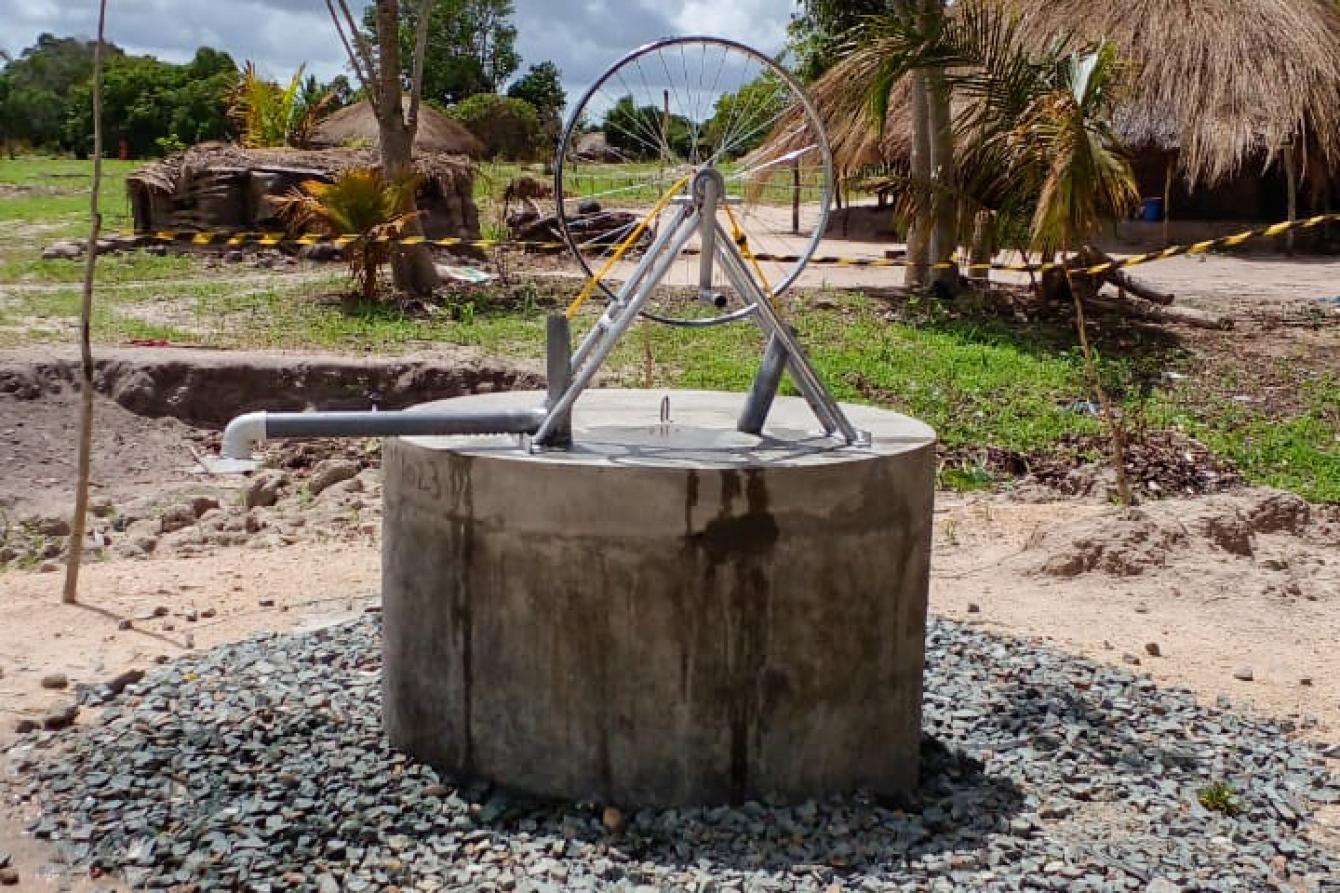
(261, 766)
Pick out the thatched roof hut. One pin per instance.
(1219, 89)
(1226, 83)
(356, 126)
(225, 186)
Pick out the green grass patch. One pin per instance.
(984, 383)
(1219, 797)
(26, 266)
(54, 191)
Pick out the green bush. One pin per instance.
(509, 128)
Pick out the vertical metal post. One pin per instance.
(764, 390)
(830, 415)
(1168, 182)
(559, 371)
(711, 193)
(795, 196)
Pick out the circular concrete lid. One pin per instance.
(623, 427)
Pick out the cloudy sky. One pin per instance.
(582, 36)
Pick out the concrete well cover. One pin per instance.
(666, 614)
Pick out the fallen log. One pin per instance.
(1151, 312)
(1126, 283)
(598, 229)
(1056, 285)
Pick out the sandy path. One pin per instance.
(1204, 630)
(1237, 284)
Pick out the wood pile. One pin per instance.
(1133, 299)
(592, 227)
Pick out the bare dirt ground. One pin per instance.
(232, 594)
(1211, 612)
(1106, 583)
(1220, 585)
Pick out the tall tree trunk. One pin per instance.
(944, 175)
(79, 521)
(917, 273)
(411, 266)
(919, 227)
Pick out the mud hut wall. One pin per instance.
(1256, 195)
(447, 207)
(150, 206)
(217, 186)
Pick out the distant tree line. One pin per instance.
(151, 107)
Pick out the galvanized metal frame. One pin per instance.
(784, 352)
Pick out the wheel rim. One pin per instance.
(723, 100)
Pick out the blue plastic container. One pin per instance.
(1152, 210)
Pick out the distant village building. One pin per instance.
(226, 186)
(596, 147)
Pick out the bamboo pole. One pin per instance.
(79, 522)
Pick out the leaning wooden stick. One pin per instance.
(80, 519)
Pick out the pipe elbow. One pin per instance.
(243, 435)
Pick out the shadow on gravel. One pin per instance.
(956, 806)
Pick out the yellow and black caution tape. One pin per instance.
(1208, 245)
(233, 239)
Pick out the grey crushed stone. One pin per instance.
(261, 766)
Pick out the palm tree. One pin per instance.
(379, 74)
(1067, 132)
(1036, 146)
(362, 203)
(1065, 135)
(267, 115)
(1004, 150)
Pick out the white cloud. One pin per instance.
(581, 36)
(759, 23)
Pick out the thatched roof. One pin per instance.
(164, 175)
(356, 125)
(1222, 80)
(1226, 82)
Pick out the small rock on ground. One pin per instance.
(330, 472)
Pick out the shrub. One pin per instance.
(509, 128)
